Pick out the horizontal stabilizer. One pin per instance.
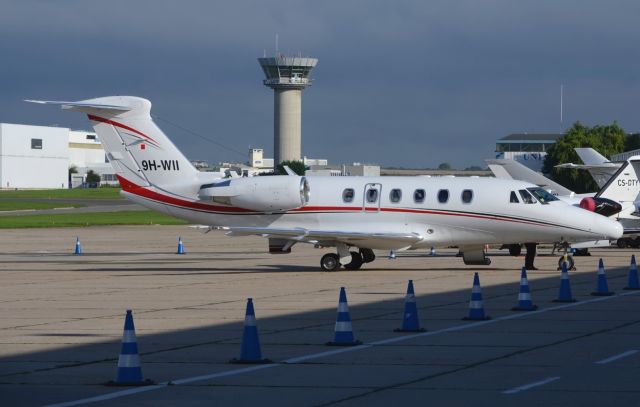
(81, 106)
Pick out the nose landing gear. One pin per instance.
(567, 258)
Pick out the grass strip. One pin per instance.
(77, 193)
(22, 205)
(88, 219)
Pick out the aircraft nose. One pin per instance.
(609, 228)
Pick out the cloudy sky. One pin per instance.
(398, 83)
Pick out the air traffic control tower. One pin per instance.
(287, 76)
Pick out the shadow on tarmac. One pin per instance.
(317, 325)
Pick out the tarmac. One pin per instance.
(63, 315)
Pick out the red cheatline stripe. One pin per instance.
(132, 188)
(122, 126)
(146, 193)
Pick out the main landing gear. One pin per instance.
(331, 261)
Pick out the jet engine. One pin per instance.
(602, 206)
(263, 194)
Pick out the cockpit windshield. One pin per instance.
(542, 195)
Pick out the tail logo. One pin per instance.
(140, 137)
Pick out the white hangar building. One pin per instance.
(40, 156)
(33, 156)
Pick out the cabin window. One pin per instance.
(395, 195)
(348, 194)
(513, 198)
(418, 195)
(526, 197)
(372, 195)
(467, 196)
(443, 195)
(542, 196)
(36, 144)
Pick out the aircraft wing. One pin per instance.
(372, 239)
(516, 170)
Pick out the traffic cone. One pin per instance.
(564, 295)
(432, 252)
(129, 370)
(410, 320)
(524, 298)
(250, 349)
(180, 246)
(633, 283)
(392, 255)
(602, 289)
(78, 250)
(476, 307)
(343, 331)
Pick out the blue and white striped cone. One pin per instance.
(564, 295)
(432, 252)
(78, 250)
(524, 297)
(392, 255)
(343, 330)
(410, 320)
(180, 246)
(129, 370)
(633, 283)
(476, 307)
(250, 348)
(602, 288)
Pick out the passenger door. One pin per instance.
(371, 197)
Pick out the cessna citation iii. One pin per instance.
(353, 214)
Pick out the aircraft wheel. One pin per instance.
(570, 263)
(356, 261)
(367, 255)
(487, 261)
(330, 262)
(621, 243)
(515, 250)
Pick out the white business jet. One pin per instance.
(353, 214)
(618, 198)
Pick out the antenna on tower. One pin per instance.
(561, 102)
(277, 44)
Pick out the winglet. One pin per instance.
(289, 170)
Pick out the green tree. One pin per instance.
(444, 166)
(297, 167)
(606, 139)
(632, 142)
(92, 177)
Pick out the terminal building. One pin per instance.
(529, 149)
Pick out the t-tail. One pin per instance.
(140, 153)
(624, 186)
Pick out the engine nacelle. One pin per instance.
(602, 206)
(264, 194)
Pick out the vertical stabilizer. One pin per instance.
(624, 186)
(138, 150)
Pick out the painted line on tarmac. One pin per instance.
(616, 357)
(144, 389)
(531, 385)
